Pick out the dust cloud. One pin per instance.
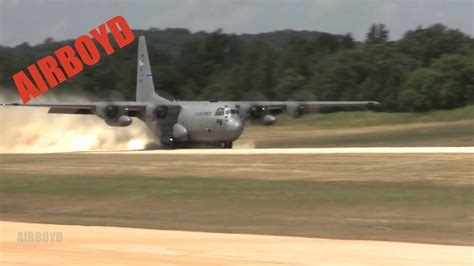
(33, 130)
(244, 144)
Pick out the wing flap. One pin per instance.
(298, 108)
(70, 110)
(87, 108)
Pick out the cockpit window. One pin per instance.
(220, 112)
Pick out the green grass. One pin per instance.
(403, 211)
(441, 135)
(370, 118)
(367, 129)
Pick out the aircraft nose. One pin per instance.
(235, 125)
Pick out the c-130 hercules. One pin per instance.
(182, 123)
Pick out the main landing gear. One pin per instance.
(226, 144)
(169, 143)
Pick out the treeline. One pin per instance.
(429, 68)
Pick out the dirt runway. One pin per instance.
(127, 246)
(355, 150)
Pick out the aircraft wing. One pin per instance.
(297, 108)
(284, 104)
(81, 108)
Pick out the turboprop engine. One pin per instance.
(295, 110)
(269, 120)
(260, 113)
(154, 112)
(113, 115)
(256, 112)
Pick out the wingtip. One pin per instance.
(373, 103)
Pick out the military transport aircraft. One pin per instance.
(181, 123)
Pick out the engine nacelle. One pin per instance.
(154, 112)
(256, 112)
(113, 115)
(269, 120)
(109, 112)
(295, 110)
(122, 121)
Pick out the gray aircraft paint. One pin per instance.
(186, 122)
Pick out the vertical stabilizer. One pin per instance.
(145, 89)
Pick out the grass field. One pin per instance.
(366, 129)
(370, 118)
(405, 197)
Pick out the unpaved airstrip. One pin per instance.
(128, 246)
(340, 206)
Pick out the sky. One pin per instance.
(33, 21)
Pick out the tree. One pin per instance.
(348, 41)
(456, 84)
(289, 83)
(427, 44)
(447, 83)
(48, 40)
(429, 68)
(378, 33)
(418, 93)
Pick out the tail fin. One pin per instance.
(145, 89)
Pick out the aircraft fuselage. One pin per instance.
(202, 122)
(211, 122)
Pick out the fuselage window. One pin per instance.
(220, 112)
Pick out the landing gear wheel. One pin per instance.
(171, 144)
(226, 145)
